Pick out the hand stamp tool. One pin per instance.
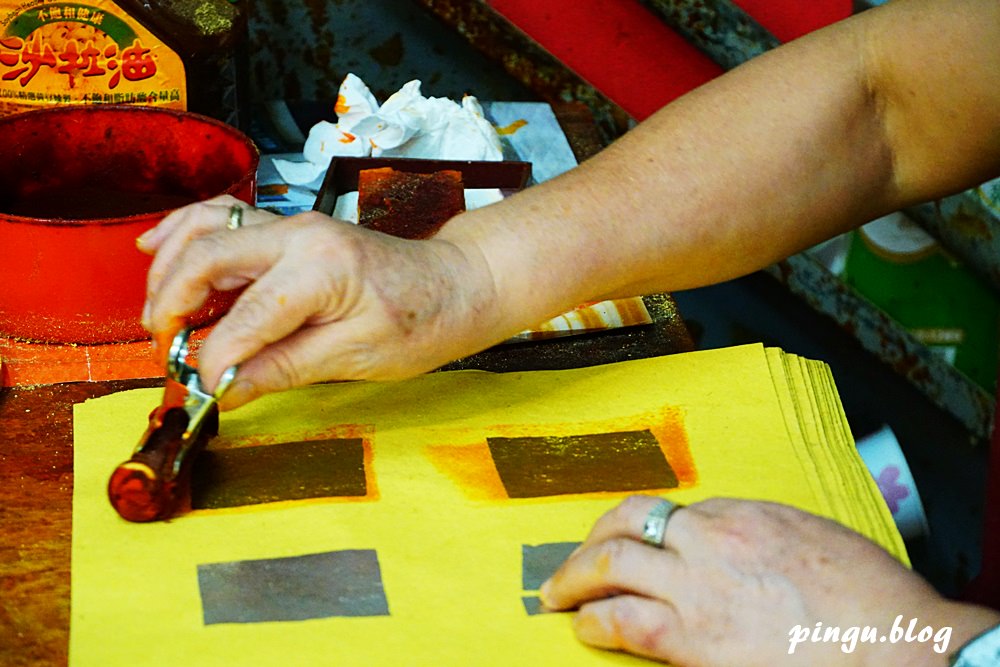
(155, 481)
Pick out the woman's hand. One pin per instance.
(324, 299)
(746, 583)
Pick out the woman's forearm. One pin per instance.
(792, 148)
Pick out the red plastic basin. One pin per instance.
(78, 184)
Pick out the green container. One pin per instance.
(906, 273)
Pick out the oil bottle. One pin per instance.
(179, 54)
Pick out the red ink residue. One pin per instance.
(408, 205)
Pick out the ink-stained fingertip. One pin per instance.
(159, 352)
(163, 339)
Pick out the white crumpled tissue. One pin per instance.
(407, 125)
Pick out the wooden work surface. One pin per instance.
(36, 499)
(36, 456)
(36, 475)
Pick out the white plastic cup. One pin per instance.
(885, 461)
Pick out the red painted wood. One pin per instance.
(631, 56)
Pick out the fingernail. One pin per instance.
(545, 592)
(146, 308)
(239, 392)
(142, 241)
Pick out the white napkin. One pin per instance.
(406, 125)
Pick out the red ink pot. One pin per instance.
(78, 184)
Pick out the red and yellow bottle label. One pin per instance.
(83, 53)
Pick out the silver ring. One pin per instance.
(655, 526)
(235, 217)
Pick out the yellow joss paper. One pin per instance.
(411, 523)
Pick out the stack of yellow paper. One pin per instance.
(411, 523)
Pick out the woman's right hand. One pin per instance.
(323, 299)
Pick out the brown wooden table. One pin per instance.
(36, 496)
(36, 455)
(36, 474)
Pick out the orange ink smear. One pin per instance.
(526, 449)
(667, 424)
(668, 427)
(512, 128)
(471, 467)
(341, 106)
(272, 189)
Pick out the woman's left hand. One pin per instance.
(740, 582)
